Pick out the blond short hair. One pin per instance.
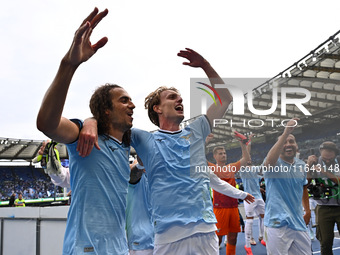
(152, 99)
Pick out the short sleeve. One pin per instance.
(202, 125)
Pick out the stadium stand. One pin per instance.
(319, 73)
(32, 182)
(308, 140)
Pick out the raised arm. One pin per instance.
(62, 178)
(275, 151)
(249, 144)
(50, 120)
(196, 60)
(228, 171)
(245, 154)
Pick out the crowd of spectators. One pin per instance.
(308, 141)
(32, 182)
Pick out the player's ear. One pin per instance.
(157, 109)
(214, 156)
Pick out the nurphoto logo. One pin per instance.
(247, 100)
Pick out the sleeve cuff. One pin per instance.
(206, 117)
(78, 122)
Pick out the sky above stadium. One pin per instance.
(239, 38)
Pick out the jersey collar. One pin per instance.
(170, 132)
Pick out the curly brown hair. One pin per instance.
(154, 98)
(101, 101)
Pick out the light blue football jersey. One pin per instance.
(251, 180)
(139, 227)
(179, 191)
(99, 183)
(284, 189)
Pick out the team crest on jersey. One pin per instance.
(112, 149)
(160, 139)
(186, 137)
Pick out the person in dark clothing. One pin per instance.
(12, 199)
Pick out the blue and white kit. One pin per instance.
(251, 181)
(99, 184)
(284, 195)
(139, 227)
(179, 193)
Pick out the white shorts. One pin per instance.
(286, 241)
(312, 204)
(141, 252)
(200, 243)
(254, 209)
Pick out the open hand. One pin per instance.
(195, 59)
(249, 198)
(82, 49)
(290, 126)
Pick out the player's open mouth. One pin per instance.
(179, 108)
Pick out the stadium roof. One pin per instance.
(318, 72)
(19, 149)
